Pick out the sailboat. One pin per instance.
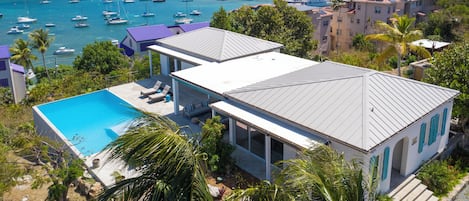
(27, 19)
(117, 19)
(147, 13)
(181, 17)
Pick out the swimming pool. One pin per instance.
(87, 123)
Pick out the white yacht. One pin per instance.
(183, 20)
(64, 51)
(15, 30)
(79, 18)
(116, 20)
(195, 12)
(26, 20)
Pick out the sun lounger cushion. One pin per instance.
(192, 110)
(151, 90)
(159, 96)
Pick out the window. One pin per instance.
(325, 23)
(4, 82)
(339, 32)
(374, 163)
(351, 20)
(3, 65)
(242, 137)
(358, 21)
(443, 122)
(276, 150)
(257, 143)
(339, 19)
(358, 6)
(324, 38)
(384, 173)
(433, 129)
(377, 9)
(389, 9)
(423, 129)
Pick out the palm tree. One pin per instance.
(319, 173)
(398, 35)
(171, 164)
(21, 54)
(40, 40)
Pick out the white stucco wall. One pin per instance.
(412, 160)
(19, 84)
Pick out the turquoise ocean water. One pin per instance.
(60, 13)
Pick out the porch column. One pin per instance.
(268, 159)
(176, 66)
(176, 96)
(232, 128)
(151, 63)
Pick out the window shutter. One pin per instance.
(423, 128)
(384, 173)
(443, 122)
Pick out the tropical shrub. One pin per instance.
(219, 152)
(439, 177)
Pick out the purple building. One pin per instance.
(11, 75)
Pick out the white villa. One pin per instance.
(278, 104)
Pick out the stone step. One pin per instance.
(398, 188)
(416, 192)
(409, 187)
(425, 195)
(432, 198)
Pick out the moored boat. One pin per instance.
(116, 21)
(79, 18)
(108, 13)
(148, 14)
(195, 12)
(74, 1)
(183, 20)
(180, 14)
(50, 25)
(23, 26)
(159, 0)
(64, 51)
(26, 20)
(81, 25)
(15, 30)
(129, 1)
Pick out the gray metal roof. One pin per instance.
(357, 106)
(217, 45)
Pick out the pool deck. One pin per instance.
(130, 92)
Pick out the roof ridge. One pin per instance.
(250, 89)
(223, 46)
(417, 82)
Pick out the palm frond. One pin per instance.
(387, 53)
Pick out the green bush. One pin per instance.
(439, 177)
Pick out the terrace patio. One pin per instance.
(130, 92)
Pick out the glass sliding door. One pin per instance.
(276, 150)
(257, 143)
(242, 135)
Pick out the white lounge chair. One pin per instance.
(159, 96)
(151, 90)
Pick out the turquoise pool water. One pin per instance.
(90, 121)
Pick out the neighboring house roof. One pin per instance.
(194, 26)
(218, 45)
(4, 52)
(234, 74)
(358, 106)
(429, 44)
(17, 68)
(153, 32)
(303, 8)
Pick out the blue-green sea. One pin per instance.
(60, 12)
